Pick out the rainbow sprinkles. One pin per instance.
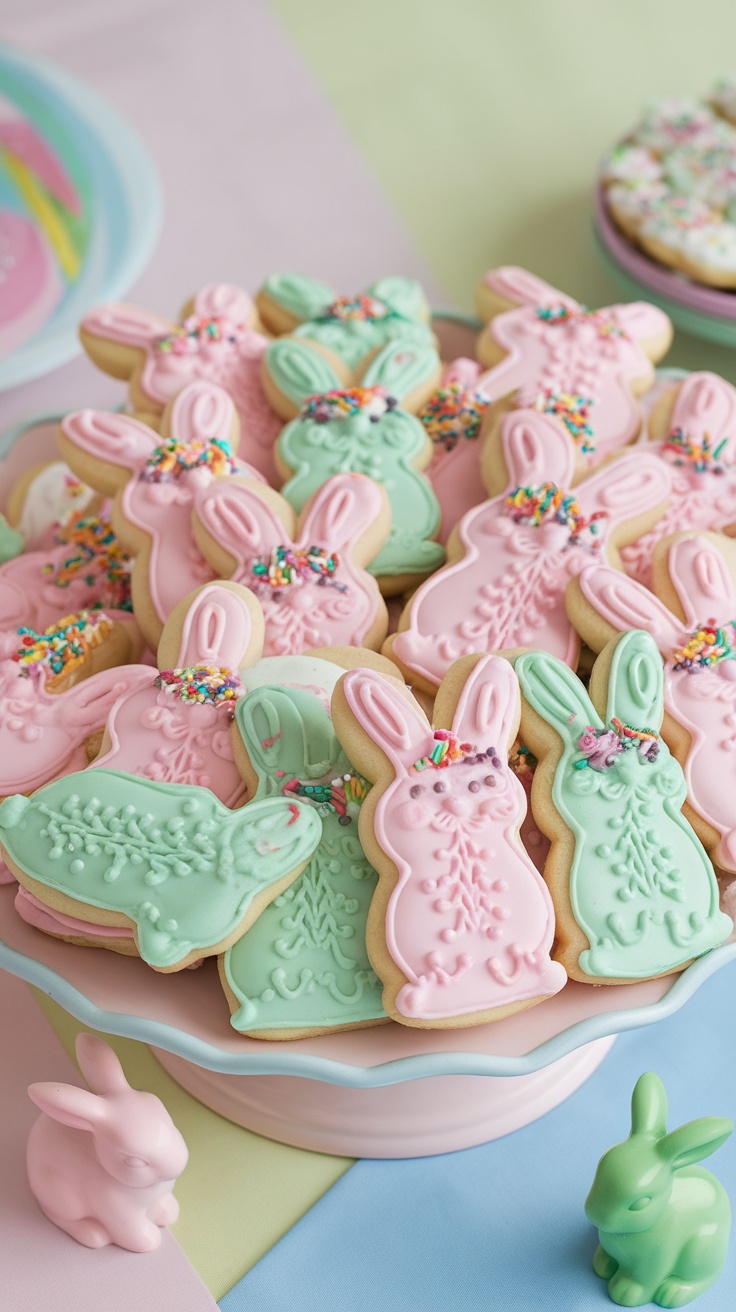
(62, 648)
(202, 685)
(347, 403)
(172, 458)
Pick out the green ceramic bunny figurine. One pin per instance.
(634, 891)
(663, 1223)
(303, 968)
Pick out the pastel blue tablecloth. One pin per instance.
(502, 1226)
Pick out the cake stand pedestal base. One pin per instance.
(416, 1118)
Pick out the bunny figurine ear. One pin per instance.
(403, 295)
(299, 371)
(694, 1141)
(623, 604)
(202, 410)
(303, 298)
(635, 681)
(100, 1065)
(71, 1106)
(218, 624)
(110, 439)
(649, 1106)
(556, 694)
(487, 713)
(705, 406)
(224, 299)
(700, 577)
(390, 718)
(241, 520)
(535, 449)
(107, 330)
(288, 735)
(343, 510)
(403, 369)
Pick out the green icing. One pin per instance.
(304, 964)
(11, 541)
(172, 857)
(303, 297)
(384, 449)
(642, 888)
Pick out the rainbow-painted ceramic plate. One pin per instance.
(80, 211)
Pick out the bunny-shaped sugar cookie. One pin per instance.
(344, 342)
(309, 577)
(154, 481)
(174, 727)
(453, 417)
(552, 347)
(692, 618)
(513, 555)
(303, 967)
(663, 1222)
(216, 342)
(365, 431)
(461, 926)
(43, 501)
(694, 427)
(634, 891)
(102, 1164)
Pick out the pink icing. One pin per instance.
(340, 612)
(703, 701)
(470, 921)
(31, 285)
(28, 595)
(705, 409)
(508, 589)
(233, 361)
(56, 922)
(521, 287)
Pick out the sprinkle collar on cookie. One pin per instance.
(346, 403)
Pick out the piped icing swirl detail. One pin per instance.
(187, 338)
(453, 413)
(324, 407)
(62, 647)
(174, 458)
(707, 646)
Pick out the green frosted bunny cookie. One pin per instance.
(343, 338)
(363, 430)
(303, 968)
(634, 891)
(170, 861)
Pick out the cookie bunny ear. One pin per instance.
(705, 406)
(629, 486)
(224, 299)
(107, 330)
(649, 1106)
(402, 368)
(303, 298)
(391, 720)
(535, 450)
(520, 287)
(100, 1065)
(242, 522)
(202, 410)
(487, 713)
(75, 1107)
(404, 295)
(299, 371)
(288, 735)
(635, 681)
(701, 578)
(342, 511)
(87, 705)
(109, 439)
(694, 1141)
(556, 694)
(218, 624)
(625, 604)
(646, 324)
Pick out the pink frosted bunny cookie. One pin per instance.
(89, 569)
(309, 574)
(561, 354)
(154, 481)
(512, 557)
(102, 1164)
(692, 618)
(693, 424)
(453, 417)
(461, 926)
(216, 342)
(174, 726)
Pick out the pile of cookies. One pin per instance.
(212, 746)
(671, 185)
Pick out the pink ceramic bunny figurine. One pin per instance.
(692, 618)
(517, 551)
(694, 426)
(461, 925)
(308, 576)
(102, 1165)
(155, 481)
(217, 342)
